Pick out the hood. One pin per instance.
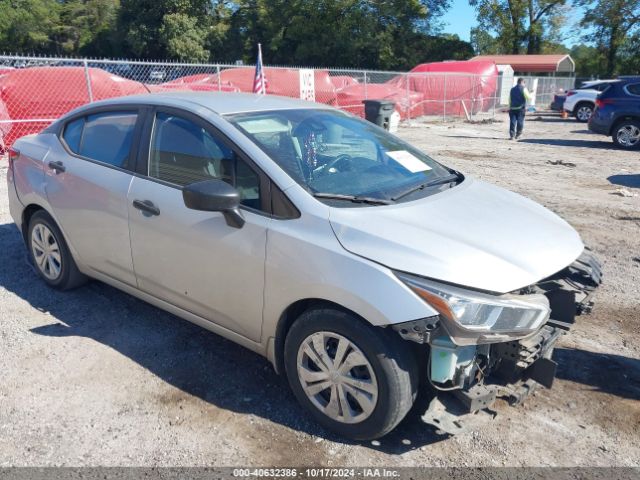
(475, 235)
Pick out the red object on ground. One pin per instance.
(342, 81)
(464, 85)
(408, 102)
(201, 82)
(280, 81)
(36, 96)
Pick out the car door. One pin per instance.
(86, 183)
(193, 259)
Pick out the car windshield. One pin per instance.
(337, 156)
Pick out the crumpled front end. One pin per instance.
(469, 378)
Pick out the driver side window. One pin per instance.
(182, 152)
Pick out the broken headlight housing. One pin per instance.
(475, 317)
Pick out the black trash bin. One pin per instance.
(379, 112)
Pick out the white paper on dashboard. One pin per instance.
(409, 161)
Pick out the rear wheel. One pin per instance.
(357, 380)
(627, 134)
(50, 254)
(583, 112)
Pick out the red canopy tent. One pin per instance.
(341, 81)
(201, 82)
(452, 87)
(280, 81)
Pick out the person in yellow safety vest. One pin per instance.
(518, 98)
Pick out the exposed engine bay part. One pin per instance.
(450, 362)
(469, 379)
(449, 416)
(570, 290)
(419, 331)
(460, 411)
(510, 360)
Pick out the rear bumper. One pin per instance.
(596, 125)
(16, 207)
(513, 370)
(558, 103)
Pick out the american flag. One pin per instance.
(259, 81)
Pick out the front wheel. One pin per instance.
(356, 380)
(627, 134)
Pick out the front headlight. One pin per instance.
(488, 318)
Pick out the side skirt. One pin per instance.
(179, 312)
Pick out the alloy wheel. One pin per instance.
(46, 252)
(584, 113)
(628, 135)
(337, 377)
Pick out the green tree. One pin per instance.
(176, 29)
(183, 37)
(351, 33)
(384, 34)
(483, 43)
(519, 26)
(437, 48)
(87, 27)
(29, 26)
(610, 25)
(628, 58)
(589, 60)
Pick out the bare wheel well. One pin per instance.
(26, 218)
(585, 102)
(290, 315)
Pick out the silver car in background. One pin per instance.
(359, 266)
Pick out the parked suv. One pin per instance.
(361, 267)
(580, 102)
(617, 113)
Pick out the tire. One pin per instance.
(626, 134)
(583, 111)
(388, 383)
(50, 254)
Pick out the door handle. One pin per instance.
(57, 166)
(146, 206)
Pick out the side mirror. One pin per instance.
(215, 196)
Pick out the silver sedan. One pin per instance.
(358, 265)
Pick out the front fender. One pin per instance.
(305, 260)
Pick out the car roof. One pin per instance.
(596, 82)
(223, 103)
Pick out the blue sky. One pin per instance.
(461, 17)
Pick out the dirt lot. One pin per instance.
(95, 377)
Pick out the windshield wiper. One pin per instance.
(352, 198)
(453, 177)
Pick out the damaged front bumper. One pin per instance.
(511, 370)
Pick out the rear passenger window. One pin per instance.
(634, 89)
(107, 137)
(73, 133)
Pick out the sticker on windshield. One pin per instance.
(409, 161)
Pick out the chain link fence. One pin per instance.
(546, 87)
(35, 91)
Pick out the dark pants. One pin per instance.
(516, 122)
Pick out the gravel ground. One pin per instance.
(96, 377)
